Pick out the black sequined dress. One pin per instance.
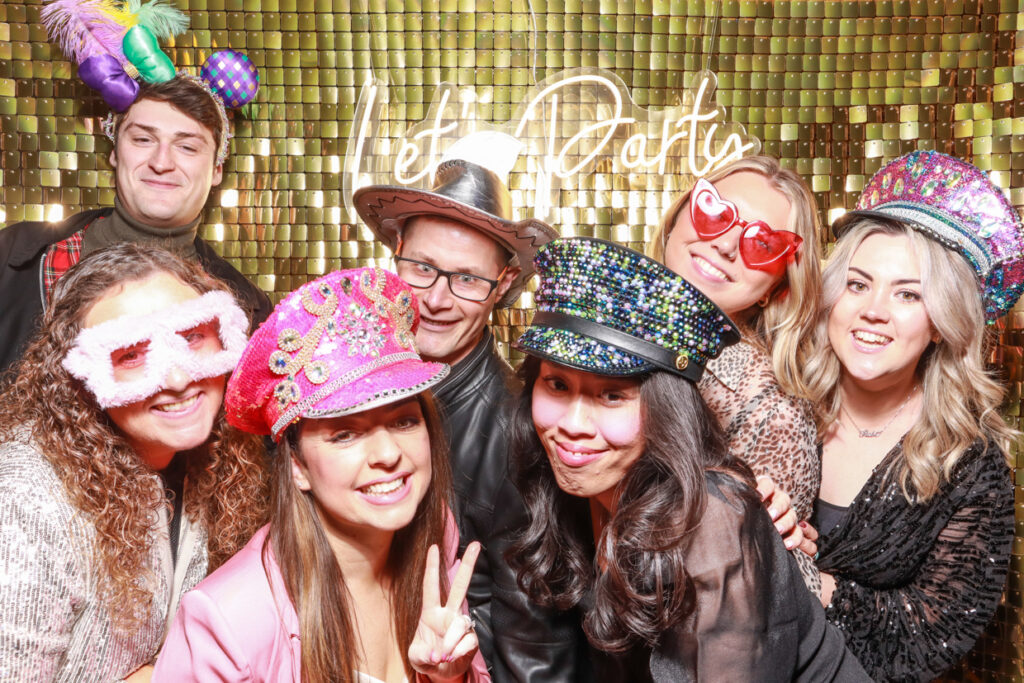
(916, 584)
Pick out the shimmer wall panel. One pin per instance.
(835, 89)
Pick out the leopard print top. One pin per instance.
(771, 431)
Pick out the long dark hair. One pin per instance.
(314, 579)
(643, 587)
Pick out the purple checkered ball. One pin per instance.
(232, 76)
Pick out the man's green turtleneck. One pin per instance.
(120, 227)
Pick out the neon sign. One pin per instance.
(570, 124)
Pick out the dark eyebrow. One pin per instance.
(180, 135)
(902, 281)
(862, 273)
(422, 258)
(402, 404)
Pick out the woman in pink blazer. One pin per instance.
(344, 583)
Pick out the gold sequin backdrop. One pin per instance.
(834, 89)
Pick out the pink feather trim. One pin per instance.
(86, 28)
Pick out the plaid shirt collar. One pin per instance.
(59, 257)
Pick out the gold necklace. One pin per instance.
(871, 434)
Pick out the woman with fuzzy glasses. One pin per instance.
(747, 237)
(345, 582)
(639, 515)
(121, 484)
(916, 504)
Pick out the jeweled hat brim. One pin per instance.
(925, 219)
(385, 209)
(685, 362)
(385, 380)
(581, 352)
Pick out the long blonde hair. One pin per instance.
(783, 327)
(961, 398)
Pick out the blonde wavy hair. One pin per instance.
(783, 326)
(105, 480)
(961, 398)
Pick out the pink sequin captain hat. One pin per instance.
(957, 205)
(340, 344)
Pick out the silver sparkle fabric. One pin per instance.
(53, 626)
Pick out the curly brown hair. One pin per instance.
(104, 478)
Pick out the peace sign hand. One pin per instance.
(445, 642)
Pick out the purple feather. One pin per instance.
(85, 28)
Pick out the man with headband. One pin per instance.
(169, 151)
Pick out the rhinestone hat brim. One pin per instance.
(578, 351)
(937, 225)
(391, 364)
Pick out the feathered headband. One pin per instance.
(115, 43)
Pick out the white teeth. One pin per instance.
(384, 488)
(710, 268)
(179, 406)
(871, 337)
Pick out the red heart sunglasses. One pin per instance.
(760, 247)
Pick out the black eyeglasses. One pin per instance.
(463, 285)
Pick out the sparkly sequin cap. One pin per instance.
(337, 345)
(956, 204)
(610, 310)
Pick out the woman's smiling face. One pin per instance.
(714, 266)
(590, 427)
(879, 327)
(181, 415)
(367, 471)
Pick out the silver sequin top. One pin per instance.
(53, 627)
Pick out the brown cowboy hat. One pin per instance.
(465, 192)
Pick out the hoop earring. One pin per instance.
(763, 301)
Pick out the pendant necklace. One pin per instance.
(869, 433)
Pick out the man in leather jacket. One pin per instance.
(167, 155)
(458, 247)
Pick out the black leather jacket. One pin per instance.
(519, 640)
(22, 246)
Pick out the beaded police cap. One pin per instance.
(610, 310)
(956, 204)
(340, 344)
